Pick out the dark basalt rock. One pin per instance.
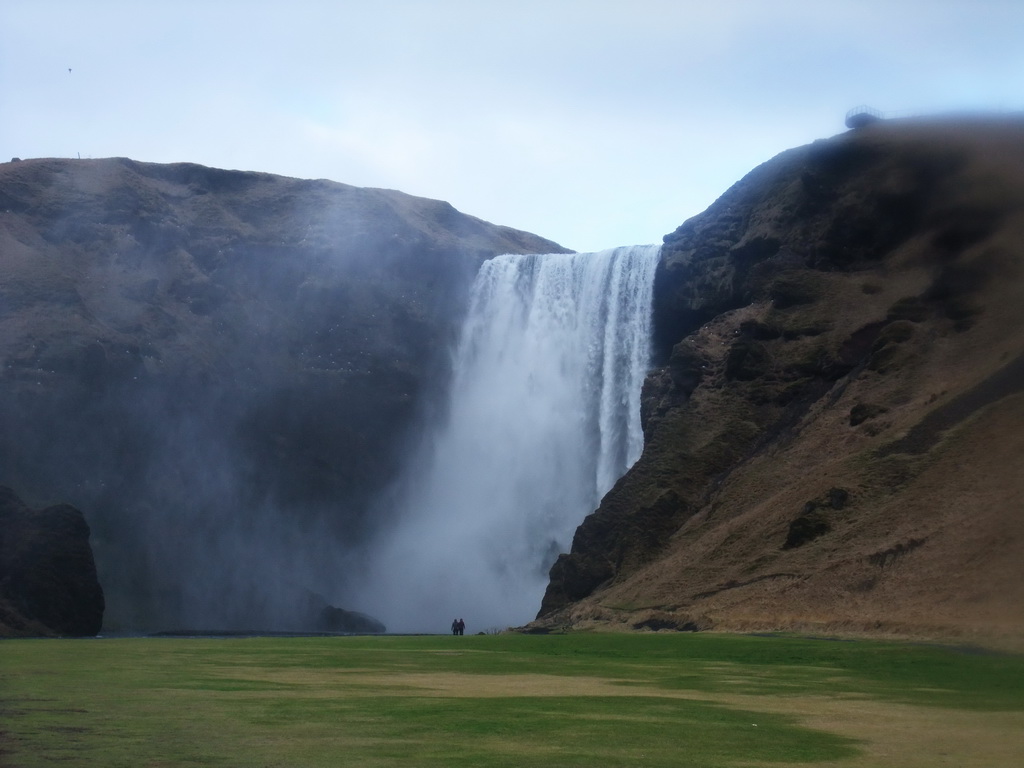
(339, 620)
(831, 285)
(656, 623)
(48, 583)
(862, 412)
(816, 519)
(318, 615)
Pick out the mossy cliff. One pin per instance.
(218, 366)
(834, 424)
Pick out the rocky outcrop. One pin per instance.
(332, 619)
(839, 341)
(48, 583)
(221, 369)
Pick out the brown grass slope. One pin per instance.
(835, 434)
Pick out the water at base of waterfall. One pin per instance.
(543, 417)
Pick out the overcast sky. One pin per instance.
(594, 123)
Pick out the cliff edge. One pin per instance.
(222, 370)
(834, 426)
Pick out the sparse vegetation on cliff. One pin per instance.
(848, 316)
(221, 369)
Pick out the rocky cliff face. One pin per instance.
(221, 369)
(48, 583)
(834, 427)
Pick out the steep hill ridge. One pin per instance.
(834, 430)
(221, 369)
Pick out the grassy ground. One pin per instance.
(507, 700)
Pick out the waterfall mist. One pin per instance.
(542, 418)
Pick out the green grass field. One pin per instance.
(507, 700)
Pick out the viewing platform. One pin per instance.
(863, 115)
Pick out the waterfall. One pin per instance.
(543, 417)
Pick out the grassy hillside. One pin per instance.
(220, 369)
(835, 432)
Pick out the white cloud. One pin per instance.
(595, 124)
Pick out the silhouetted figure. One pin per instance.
(455, 626)
(461, 626)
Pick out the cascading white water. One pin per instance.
(543, 418)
